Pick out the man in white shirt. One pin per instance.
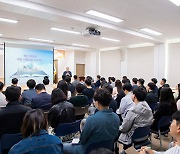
(175, 133)
(3, 101)
(126, 101)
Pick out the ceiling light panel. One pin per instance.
(150, 31)
(80, 45)
(104, 16)
(109, 39)
(64, 30)
(8, 20)
(40, 40)
(176, 2)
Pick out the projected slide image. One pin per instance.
(27, 64)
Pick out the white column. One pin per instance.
(123, 61)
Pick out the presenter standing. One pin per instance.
(67, 72)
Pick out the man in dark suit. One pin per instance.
(43, 100)
(67, 72)
(11, 116)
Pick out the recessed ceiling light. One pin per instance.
(104, 16)
(140, 45)
(151, 31)
(173, 41)
(41, 40)
(109, 39)
(81, 45)
(1, 34)
(64, 30)
(8, 20)
(176, 2)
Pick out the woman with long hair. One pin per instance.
(166, 107)
(36, 138)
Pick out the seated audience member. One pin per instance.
(3, 101)
(48, 87)
(15, 83)
(166, 107)
(71, 87)
(89, 91)
(113, 81)
(61, 111)
(124, 81)
(113, 103)
(102, 126)
(92, 81)
(154, 80)
(98, 83)
(11, 116)
(64, 87)
(36, 138)
(139, 115)
(28, 95)
(178, 98)
(162, 83)
(103, 81)
(42, 100)
(120, 94)
(174, 132)
(140, 83)
(134, 83)
(79, 100)
(75, 82)
(126, 102)
(176, 93)
(81, 79)
(151, 98)
(117, 88)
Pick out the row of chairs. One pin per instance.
(140, 137)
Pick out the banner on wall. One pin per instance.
(25, 64)
(59, 54)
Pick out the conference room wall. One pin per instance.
(140, 63)
(1, 67)
(110, 64)
(173, 77)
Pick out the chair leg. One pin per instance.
(160, 139)
(150, 139)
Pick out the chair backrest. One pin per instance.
(8, 140)
(109, 144)
(68, 128)
(164, 121)
(81, 110)
(141, 134)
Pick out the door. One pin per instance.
(55, 71)
(80, 70)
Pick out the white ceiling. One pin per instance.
(36, 17)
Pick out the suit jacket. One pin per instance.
(42, 101)
(11, 118)
(152, 100)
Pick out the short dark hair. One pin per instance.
(176, 116)
(124, 77)
(63, 86)
(127, 86)
(34, 120)
(68, 79)
(113, 79)
(80, 87)
(154, 80)
(46, 77)
(108, 87)
(64, 77)
(31, 83)
(88, 82)
(89, 77)
(103, 97)
(141, 81)
(135, 80)
(140, 93)
(1, 85)
(125, 81)
(57, 96)
(75, 76)
(14, 81)
(12, 93)
(46, 81)
(163, 79)
(151, 85)
(98, 76)
(40, 86)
